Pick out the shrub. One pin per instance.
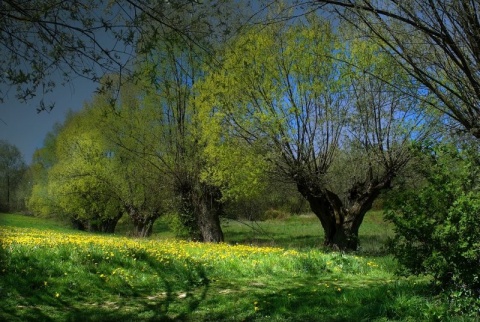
(437, 227)
(176, 225)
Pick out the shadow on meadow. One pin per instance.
(81, 295)
(69, 283)
(262, 239)
(318, 302)
(370, 245)
(187, 293)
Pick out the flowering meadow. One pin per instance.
(49, 274)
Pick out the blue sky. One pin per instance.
(22, 126)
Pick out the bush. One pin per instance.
(176, 225)
(437, 227)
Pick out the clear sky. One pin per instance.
(22, 126)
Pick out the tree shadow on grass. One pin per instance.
(335, 303)
(25, 296)
(272, 240)
(167, 306)
(184, 290)
(370, 245)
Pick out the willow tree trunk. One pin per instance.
(143, 227)
(78, 224)
(103, 225)
(142, 221)
(201, 211)
(209, 222)
(108, 225)
(341, 223)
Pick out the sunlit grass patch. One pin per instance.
(100, 250)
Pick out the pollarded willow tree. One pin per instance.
(170, 71)
(74, 187)
(129, 169)
(307, 99)
(168, 65)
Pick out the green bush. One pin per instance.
(437, 224)
(176, 225)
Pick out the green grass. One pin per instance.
(305, 232)
(51, 273)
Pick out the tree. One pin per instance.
(45, 40)
(434, 41)
(78, 183)
(131, 172)
(304, 100)
(96, 179)
(39, 202)
(162, 99)
(12, 169)
(169, 65)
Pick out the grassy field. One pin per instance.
(273, 272)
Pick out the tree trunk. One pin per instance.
(8, 193)
(209, 222)
(78, 224)
(142, 221)
(341, 224)
(143, 228)
(108, 225)
(201, 211)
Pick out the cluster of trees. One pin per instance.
(325, 111)
(218, 111)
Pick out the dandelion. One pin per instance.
(57, 294)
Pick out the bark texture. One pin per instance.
(341, 222)
(142, 221)
(200, 210)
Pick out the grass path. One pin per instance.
(50, 273)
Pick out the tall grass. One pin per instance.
(54, 274)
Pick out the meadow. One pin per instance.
(268, 271)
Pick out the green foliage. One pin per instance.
(176, 225)
(437, 226)
(281, 198)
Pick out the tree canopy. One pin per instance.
(46, 42)
(434, 41)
